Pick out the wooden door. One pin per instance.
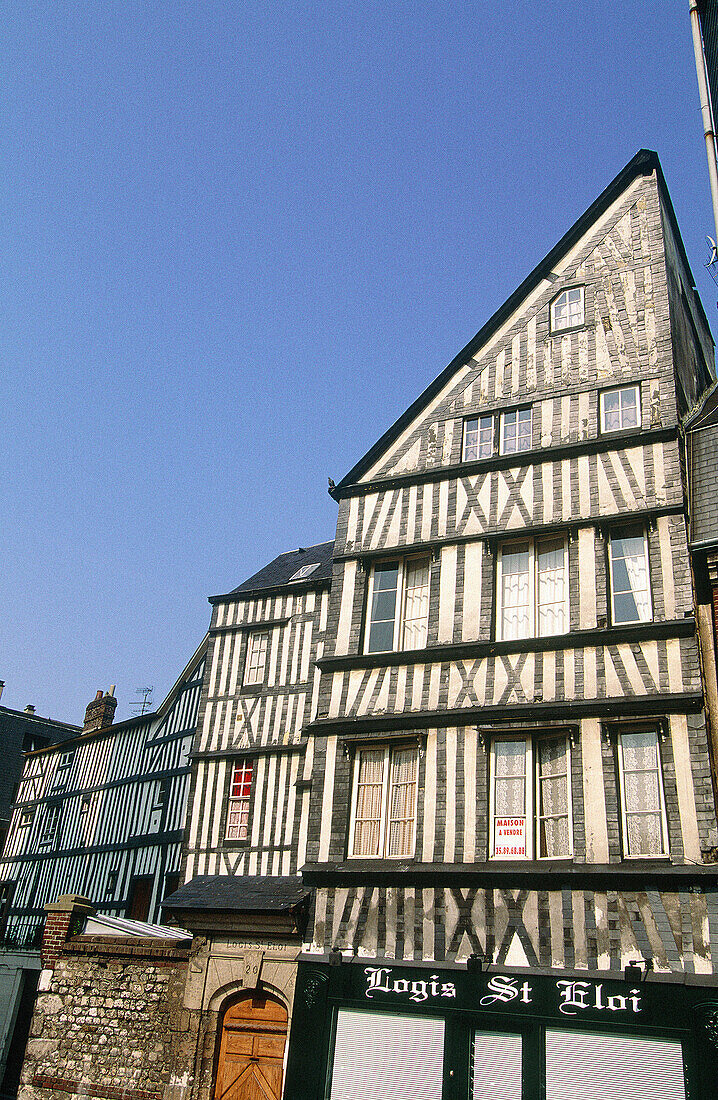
(251, 1052)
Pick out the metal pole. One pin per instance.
(706, 110)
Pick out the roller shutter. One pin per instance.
(378, 1056)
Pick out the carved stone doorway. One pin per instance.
(251, 1052)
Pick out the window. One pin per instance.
(26, 818)
(86, 803)
(567, 309)
(620, 409)
(172, 883)
(240, 790)
(52, 823)
(532, 589)
(398, 605)
(384, 802)
(630, 582)
(531, 798)
(304, 572)
(516, 431)
(111, 884)
(643, 813)
(161, 793)
(478, 438)
(256, 659)
(140, 899)
(62, 771)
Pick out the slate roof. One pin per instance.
(279, 572)
(240, 894)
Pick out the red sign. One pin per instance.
(510, 836)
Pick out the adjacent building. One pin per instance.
(101, 814)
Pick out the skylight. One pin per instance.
(305, 571)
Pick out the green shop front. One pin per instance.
(365, 1029)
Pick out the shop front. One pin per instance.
(368, 1030)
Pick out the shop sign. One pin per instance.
(570, 996)
(573, 996)
(380, 980)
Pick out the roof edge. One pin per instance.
(643, 163)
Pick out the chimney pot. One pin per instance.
(29, 709)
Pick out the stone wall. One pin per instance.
(107, 1020)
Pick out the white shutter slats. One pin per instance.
(496, 1066)
(378, 1056)
(581, 1066)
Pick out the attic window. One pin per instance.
(567, 310)
(305, 571)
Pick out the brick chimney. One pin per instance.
(65, 917)
(100, 712)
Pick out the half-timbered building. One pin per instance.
(513, 806)
(100, 815)
(249, 802)
(451, 828)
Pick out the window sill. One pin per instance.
(568, 329)
(435, 653)
(534, 874)
(555, 452)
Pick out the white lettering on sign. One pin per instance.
(576, 996)
(379, 980)
(510, 836)
(506, 989)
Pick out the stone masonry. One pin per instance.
(107, 1019)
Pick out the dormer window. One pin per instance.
(567, 310)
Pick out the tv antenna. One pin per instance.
(141, 706)
(712, 262)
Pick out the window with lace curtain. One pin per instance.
(532, 589)
(530, 811)
(567, 310)
(398, 606)
(516, 431)
(383, 818)
(643, 811)
(620, 408)
(478, 441)
(629, 575)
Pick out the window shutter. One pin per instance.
(615, 1067)
(378, 1056)
(496, 1066)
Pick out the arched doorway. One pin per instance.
(251, 1051)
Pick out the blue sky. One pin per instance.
(238, 239)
